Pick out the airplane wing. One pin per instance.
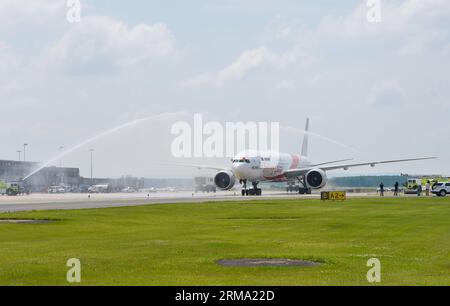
(303, 171)
(332, 162)
(219, 168)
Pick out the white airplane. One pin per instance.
(266, 166)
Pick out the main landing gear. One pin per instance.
(301, 188)
(255, 191)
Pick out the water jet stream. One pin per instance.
(296, 130)
(101, 135)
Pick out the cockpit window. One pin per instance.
(244, 160)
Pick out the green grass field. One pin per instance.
(178, 244)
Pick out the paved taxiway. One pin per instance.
(83, 201)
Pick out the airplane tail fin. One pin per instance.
(305, 140)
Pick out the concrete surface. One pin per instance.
(83, 201)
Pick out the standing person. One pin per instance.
(381, 189)
(419, 190)
(396, 189)
(434, 184)
(427, 188)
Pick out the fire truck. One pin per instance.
(11, 189)
(204, 184)
(412, 185)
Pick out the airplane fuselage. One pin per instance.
(260, 166)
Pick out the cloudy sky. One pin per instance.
(381, 88)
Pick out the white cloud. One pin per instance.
(286, 84)
(278, 29)
(100, 44)
(9, 87)
(14, 12)
(8, 60)
(411, 26)
(416, 44)
(407, 28)
(283, 32)
(387, 93)
(247, 62)
(397, 17)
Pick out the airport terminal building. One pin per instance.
(15, 171)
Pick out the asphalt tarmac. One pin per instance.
(85, 201)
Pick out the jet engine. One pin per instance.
(225, 180)
(316, 179)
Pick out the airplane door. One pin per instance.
(256, 163)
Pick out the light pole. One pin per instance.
(25, 145)
(61, 148)
(18, 151)
(92, 177)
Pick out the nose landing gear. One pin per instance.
(255, 191)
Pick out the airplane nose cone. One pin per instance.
(237, 169)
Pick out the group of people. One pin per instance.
(419, 189)
(427, 189)
(396, 189)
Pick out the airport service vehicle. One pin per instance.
(266, 166)
(56, 189)
(441, 189)
(293, 187)
(412, 184)
(84, 188)
(204, 184)
(130, 190)
(11, 189)
(103, 188)
(152, 190)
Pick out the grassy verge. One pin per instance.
(178, 244)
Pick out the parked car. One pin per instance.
(56, 189)
(441, 189)
(83, 189)
(130, 190)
